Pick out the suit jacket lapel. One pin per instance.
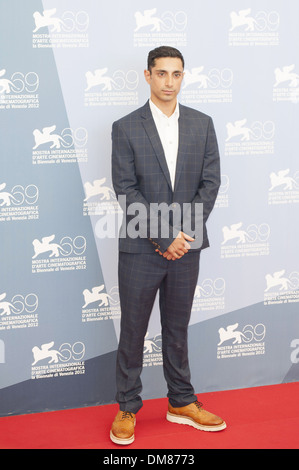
(151, 130)
(184, 135)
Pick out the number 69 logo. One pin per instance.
(22, 83)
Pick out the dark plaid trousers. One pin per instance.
(141, 275)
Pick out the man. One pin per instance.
(162, 153)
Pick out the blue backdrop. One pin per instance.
(68, 69)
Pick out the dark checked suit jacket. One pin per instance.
(140, 172)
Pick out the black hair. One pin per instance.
(163, 51)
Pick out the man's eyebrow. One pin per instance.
(175, 71)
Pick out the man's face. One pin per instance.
(165, 79)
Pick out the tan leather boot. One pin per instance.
(194, 415)
(122, 430)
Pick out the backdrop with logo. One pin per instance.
(68, 69)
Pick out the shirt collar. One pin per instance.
(158, 113)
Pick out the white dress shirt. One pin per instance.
(168, 130)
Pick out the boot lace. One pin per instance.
(198, 404)
(127, 414)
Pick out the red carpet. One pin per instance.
(257, 418)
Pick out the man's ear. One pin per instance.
(147, 76)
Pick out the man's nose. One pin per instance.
(169, 80)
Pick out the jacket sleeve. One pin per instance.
(208, 188)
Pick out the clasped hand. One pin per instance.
(178, 247)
